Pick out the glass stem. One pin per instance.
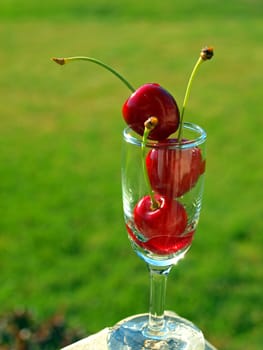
(158, 280)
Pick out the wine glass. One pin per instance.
(162, 186)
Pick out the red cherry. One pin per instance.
(173, 172)
(162, 227)
(169, 219)
(151, 100)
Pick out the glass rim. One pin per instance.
(128, 136)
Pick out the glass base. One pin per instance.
(132, 333)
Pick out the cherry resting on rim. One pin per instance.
(152, 100)
(173, 172)
(146, 101)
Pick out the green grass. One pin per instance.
(168, 10)
(62, 238)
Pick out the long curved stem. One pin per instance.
(63, 61)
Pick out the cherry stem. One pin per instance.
(205, 54)
(187, 92)
(63, 61)
(149, 125)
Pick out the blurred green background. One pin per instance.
(63, 244)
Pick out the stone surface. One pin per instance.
(96, 341)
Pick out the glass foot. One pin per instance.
(132, 334)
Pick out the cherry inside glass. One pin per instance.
(176, 177)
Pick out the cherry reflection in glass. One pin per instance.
(162, 185)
